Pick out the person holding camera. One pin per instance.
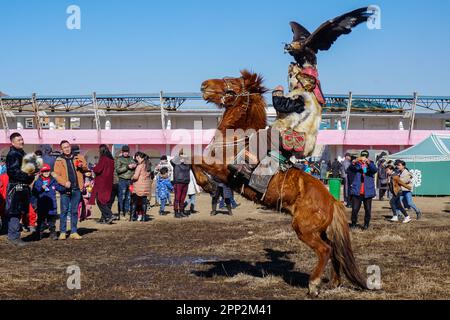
(362, 188)
(68, 172)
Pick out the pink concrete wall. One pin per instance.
(373, 137)
(162, 138)
(131, 137)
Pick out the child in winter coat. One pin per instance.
(163, 188)
(193, 190)
(44, 199)
(84, 208)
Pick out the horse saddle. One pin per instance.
(293, 141)
(263, 174)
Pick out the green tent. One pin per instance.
(429, 162)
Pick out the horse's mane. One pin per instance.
(253, 82)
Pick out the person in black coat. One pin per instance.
(181, 180)
(18, 192)
(336, 168)
(350, 178)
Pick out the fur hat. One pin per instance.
(32, 164)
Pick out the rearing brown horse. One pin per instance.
(318, 219)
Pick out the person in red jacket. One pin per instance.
(3, 187)
(103, 184)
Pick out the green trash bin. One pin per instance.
(335, 187)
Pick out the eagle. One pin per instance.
(305, 45)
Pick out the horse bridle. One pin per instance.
(231, 93)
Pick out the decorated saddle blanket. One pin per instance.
(293, 141)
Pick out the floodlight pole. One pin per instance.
(36, 114)
(163, 120)
(97, 119)
(4, 118)
(163, 115)
(413, 117)
(349, 111)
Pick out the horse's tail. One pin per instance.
(339, 234)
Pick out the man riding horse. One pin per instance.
(299, 113)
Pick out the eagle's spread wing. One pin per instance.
(300, 32)
(324, 37)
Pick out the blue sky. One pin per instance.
(140, 46)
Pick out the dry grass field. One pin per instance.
(253, 255)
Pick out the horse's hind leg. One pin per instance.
(335, 279)
(323, 251)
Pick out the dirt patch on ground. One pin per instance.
(253, 255)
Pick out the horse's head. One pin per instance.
(228, 92)
(241, 97)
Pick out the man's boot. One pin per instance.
(353, 226)
(133, 214)
(230, 209)
(177, 214)
(214, 208)
(53, 234)
(18, 243)
(37, 236)
(192, 211)
(185, 213)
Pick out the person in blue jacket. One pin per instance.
(163, 188)
(362, 188)
(44, 200)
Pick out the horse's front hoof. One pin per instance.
(313, 292)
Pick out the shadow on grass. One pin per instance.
(86, 231)
(46, 234)
(278, 265)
